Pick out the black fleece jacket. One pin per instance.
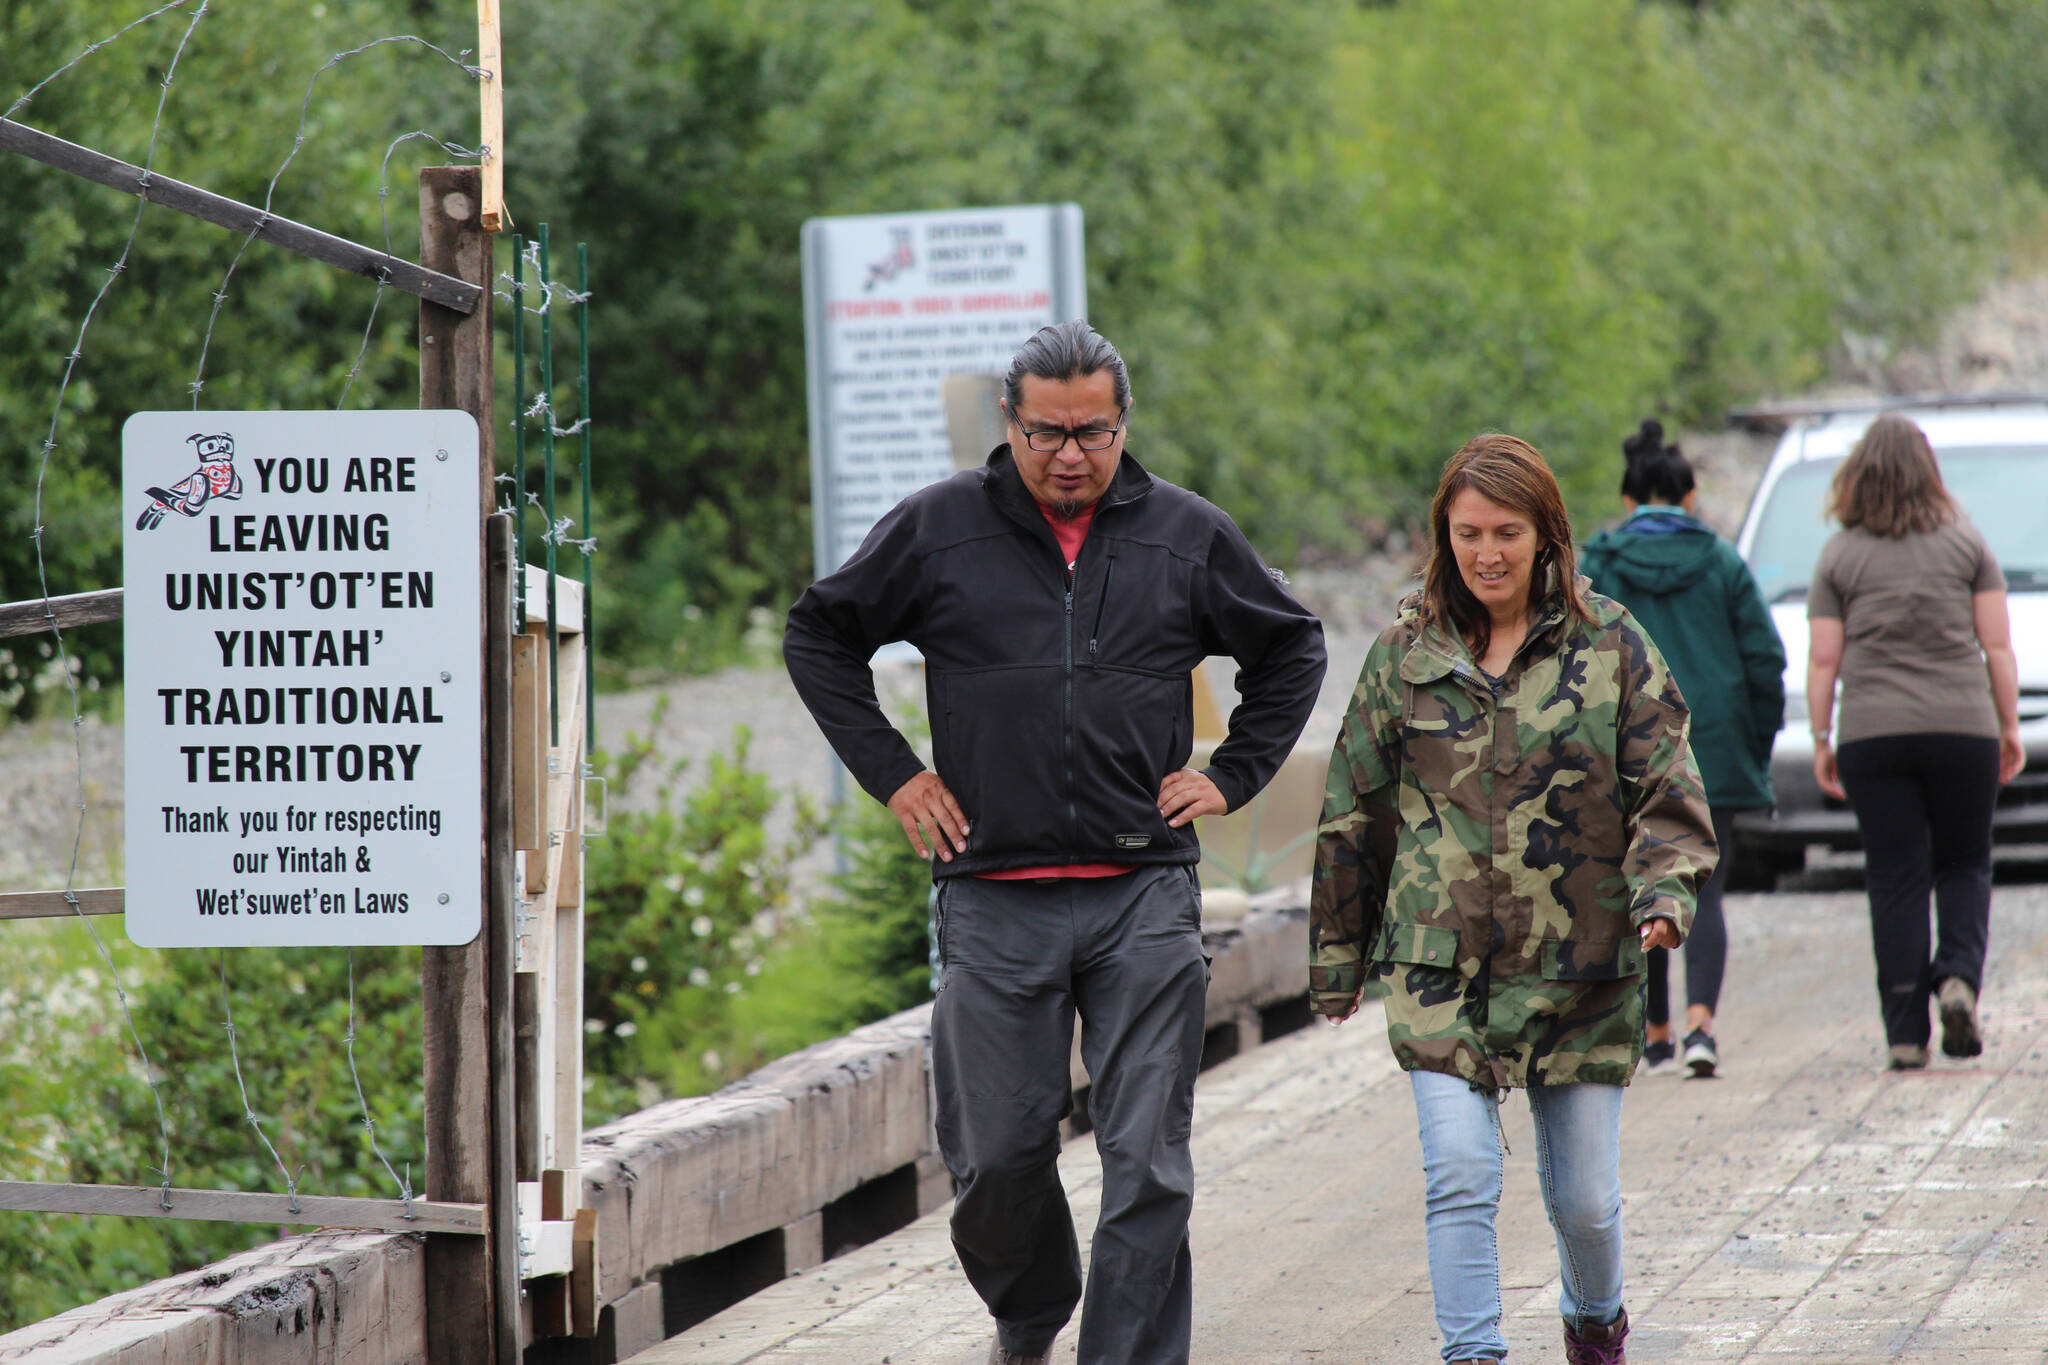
(1058, 703)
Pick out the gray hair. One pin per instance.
(1065, 351)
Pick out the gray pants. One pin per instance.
(1019, 959)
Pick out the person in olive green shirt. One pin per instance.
(1691, 591)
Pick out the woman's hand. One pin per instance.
(1331, 1011)
(1827, 773)
(2012, 755)
(1659, 933)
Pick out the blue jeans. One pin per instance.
(1578, 1164)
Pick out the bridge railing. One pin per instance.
(699, 1202)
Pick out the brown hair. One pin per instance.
(1891, 484)
(1509, 471)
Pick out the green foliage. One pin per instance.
(76, 1106)
(289, 329)
(699, 965)
(683, 900)
(861, 952)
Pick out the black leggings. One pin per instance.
(1706, 947)
(1923, 803)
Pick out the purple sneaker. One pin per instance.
(1597, 1344)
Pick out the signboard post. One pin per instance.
(893, 305)
(303, 732)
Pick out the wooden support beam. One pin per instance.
(244, 1206)
(490, 58)
(529, 744)
(462, 296)
(468, 989)
(79, 609)
(98, 900)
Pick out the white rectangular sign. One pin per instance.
(303, 700)
(895, 302)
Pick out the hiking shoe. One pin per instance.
(1597, 1344)
(1657, 1052)
(1701, 1056)
(1907, 1057)
(1960, 1036)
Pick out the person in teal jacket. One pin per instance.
(1694, 595)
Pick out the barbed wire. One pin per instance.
(362, 1101)
(163, 1168)
(550, 289)
(384, 217)
(50, 446)
(220, 295)
(227, 1010)
(91, 48)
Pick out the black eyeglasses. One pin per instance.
(1048, 440)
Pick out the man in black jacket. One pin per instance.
(1061, 597)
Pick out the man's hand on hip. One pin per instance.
(1187, 794)
(927, 810)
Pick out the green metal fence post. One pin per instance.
(519, 430)
(547, 387)
(583, 427)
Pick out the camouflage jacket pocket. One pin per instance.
(1597, 959)
(1422, 945)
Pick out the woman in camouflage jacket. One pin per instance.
(1512, 819)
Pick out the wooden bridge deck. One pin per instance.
(1805, 1206)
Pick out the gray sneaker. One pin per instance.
(1907, 1057)
(1960, 1036)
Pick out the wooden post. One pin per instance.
(473, 1283)
(490, 56)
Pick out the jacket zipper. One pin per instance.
(1101, 603)
(1067, 705)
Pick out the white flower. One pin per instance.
(627, 1029)
(639, 964)
(711, 1060)
(699, 976)
(751, 871)
(694, 897)
(702, 926)
(754, 967)
(674, 882)
(593, 1026)
(732, 988)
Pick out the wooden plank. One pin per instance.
(529, 744)
(490, 57)
(468, 1131)
(244, 1206)
(98, 900)
(461, 295)
(34, 616)
(568, 601)
(559, 1190)
(568, 1096)
(583, 1276)
(565, 776)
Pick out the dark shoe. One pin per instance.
(1477, 1360)
(1908, 1057)
(1598, 1344)
(1960, 1036)
(998, 1356)
(1657, 1053)
(1701, 1056)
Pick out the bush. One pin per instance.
(78, 1109)
(701, 967)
